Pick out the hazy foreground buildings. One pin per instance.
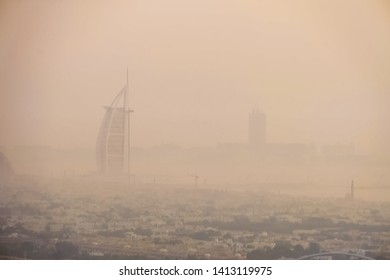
(113, 142)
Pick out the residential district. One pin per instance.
(75, 219)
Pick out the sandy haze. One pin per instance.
(197, 68)
(318, 70)
(260, 130)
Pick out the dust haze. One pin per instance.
(244, 129)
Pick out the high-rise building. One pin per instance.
(113, 141)
(257, 129)
(6, 171)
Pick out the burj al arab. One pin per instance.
(113, 141)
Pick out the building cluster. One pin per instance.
(179, 223)
(155, 213)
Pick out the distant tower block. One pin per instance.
(257, 129)
(113, 142)
(352, 190)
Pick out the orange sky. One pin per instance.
(319, 69)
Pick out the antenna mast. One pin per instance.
(127, 111)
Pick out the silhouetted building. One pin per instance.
(113, 142)
(290, 150)
(6, 171)
(338, 150)
(257, 129)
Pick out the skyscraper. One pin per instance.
(257, 129)
(113, 141)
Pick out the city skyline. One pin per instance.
(194, 85)
(261, 129)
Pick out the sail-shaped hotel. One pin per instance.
(113, 141)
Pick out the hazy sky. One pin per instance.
(320, 70)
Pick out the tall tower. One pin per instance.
(113, 142)
(257, 129)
